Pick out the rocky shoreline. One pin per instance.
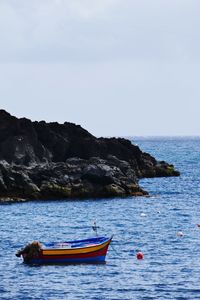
(40, 160)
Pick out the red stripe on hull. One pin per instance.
(101, 252)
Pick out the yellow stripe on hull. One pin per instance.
(74, 250)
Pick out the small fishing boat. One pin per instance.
(91, 250)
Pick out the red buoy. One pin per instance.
(198, 225)
(140, 255)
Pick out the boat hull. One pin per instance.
(89, 254)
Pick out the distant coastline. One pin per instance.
(167, 137)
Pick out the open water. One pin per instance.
(171, 265)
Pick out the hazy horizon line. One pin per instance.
(152, 136)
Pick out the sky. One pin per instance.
(116, 67)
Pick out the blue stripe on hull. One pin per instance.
(99, 259)
(79, 243)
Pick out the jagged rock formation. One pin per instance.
(40, 160)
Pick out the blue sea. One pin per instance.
(171, 265)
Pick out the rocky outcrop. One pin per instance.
(40, 160)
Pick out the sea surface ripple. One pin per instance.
(171, 265)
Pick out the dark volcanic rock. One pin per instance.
(76, 178)
(40, 160)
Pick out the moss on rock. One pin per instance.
(54, 190)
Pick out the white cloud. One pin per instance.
(66, 30)
(50, 30)
(91, 8)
